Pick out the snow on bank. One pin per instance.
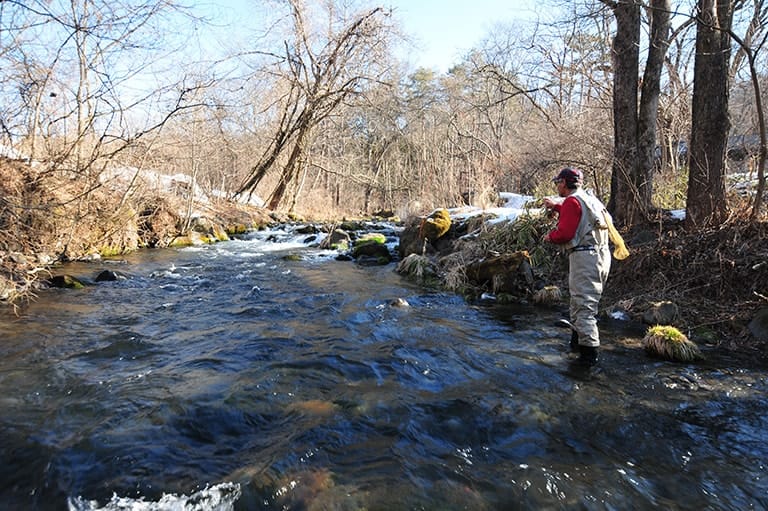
(180, 185)
(513, 206)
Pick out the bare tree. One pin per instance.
(77, 90)
(317, 74)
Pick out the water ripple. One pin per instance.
(225, 372)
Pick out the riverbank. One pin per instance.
(717, 279)
(47, 218)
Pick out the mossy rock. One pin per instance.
(236, 229)
(505, 273)
(436, 224)
(209, 229)
(110, 251)
(372, 249)
(65, 282)
(338, 239)
(372, 237)
(372, 245)
(352, 225)
(220, 233)
(181, 242)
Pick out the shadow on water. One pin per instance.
(225, 377)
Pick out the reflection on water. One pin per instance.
(225, 377)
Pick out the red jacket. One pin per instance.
(568, 221)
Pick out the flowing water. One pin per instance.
(231, 377)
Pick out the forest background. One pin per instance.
(316, 114)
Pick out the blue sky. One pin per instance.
(446, 29)
(443, 29)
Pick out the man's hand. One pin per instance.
(549, 203)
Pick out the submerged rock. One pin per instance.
(399, 302)
(109, 276)
(65, 282)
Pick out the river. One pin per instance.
(231, 377)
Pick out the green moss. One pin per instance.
(220, 233)
(236, 229)
(670, 343)
(181, 242)
(292, 257)
(110, 251)
(373, 237)
(669, 333)
(66, 282)
(436, 224)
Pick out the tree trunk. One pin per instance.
(705, 203)
(291, 168)
(626, 59)
(649, 106)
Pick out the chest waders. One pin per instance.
(589, 261)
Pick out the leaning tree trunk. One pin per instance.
(291, 169)
(705, 203)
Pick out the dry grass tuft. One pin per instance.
(548, 295)
(492, 239)
(669, 343)
(418, 268)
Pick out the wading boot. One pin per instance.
(587, 356)
(574, 344)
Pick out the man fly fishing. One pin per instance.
(583, 232)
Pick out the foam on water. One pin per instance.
(221, 497)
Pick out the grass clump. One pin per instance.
(420, 269)
(548, 295)
(669, 343)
